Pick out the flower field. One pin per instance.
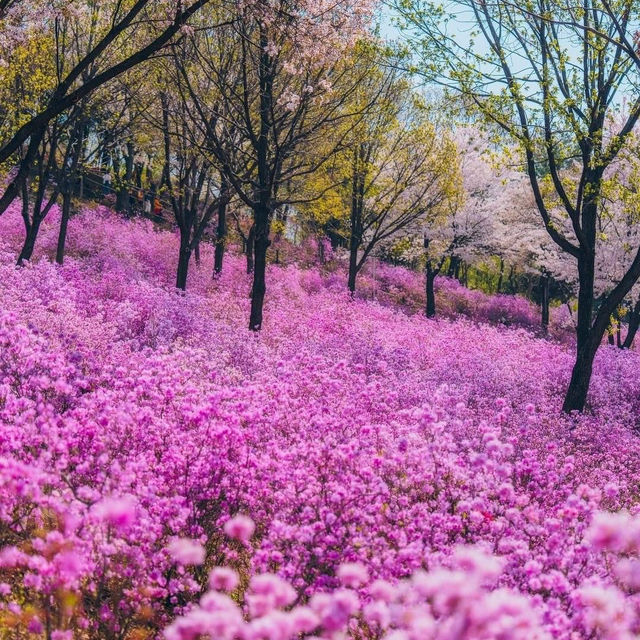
(166, 472)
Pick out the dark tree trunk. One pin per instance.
(267, 186)
(221, 233)
(544, 302)
(353, 265)
(634, 324)
(356, 217)
(124, 196)
(587, 339)
(454, 267)
(251, 241)
(64, 222)
(106, 149)
(610, 338)
(68, 182)
(430, 290)
(29, 242)
(512, 280)
(183, 264)
(122, 200)
(576, 396)
(261, 244)
(196, 253)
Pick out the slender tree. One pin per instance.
(402, 171)
(279, 81)
(548, 74)
(224, 199)
(188, 176)
(113, 38)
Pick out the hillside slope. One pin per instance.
(346, 430)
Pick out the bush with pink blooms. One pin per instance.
(163, 471)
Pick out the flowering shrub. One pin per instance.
(442, 603)
(404, 289)
(350, 468)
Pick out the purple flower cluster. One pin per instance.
(350, 469)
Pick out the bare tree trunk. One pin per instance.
(513, 286)
(259, 288)
(64, 222)
(353, 265)
(183, 262)
(451, 267)
(357, 207)
(29, 242)
(587, 340)
(123, 197)
(251, 241)
(68, 181)
(501, 276)
(634, 324)
(196, 253)
(430, 290)
(221, 229)
(544, 302)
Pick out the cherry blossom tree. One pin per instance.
(465, 231)
(549, 78)
(280, 80)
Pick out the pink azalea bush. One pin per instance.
(404, 289)
(350, 468)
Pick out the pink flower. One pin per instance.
(352, 574)
(628, 572)
(267, 592)
(32, 581)
(478, 563)
(377, 614)
(187, 552)
(11, 557)
(240, 527)
(223, 579)
(603, 609)
(303, 620)
(119, 512)
(610, 531)
(35, 626)
(382, 590)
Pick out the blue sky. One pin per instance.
(388, 30)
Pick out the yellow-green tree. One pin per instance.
(396, 171)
